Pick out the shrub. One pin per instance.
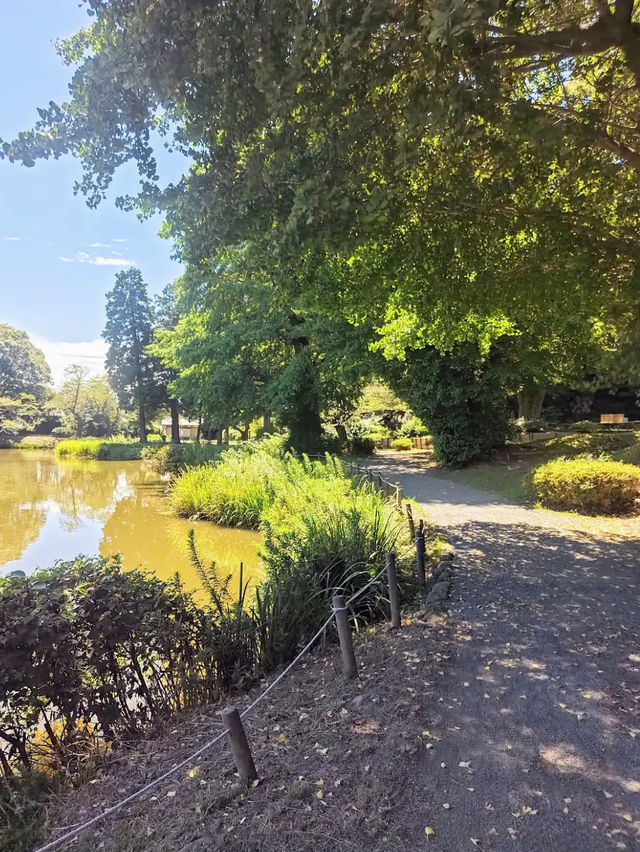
(536, 424)
(172, 458)
(117, 448)
(592, 444)
(402, 444)
(413, 428)
(90, 650)
(586, 426)
(361, 445)
(588, 485)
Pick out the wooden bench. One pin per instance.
(612, 418)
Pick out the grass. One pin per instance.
(31, 442)
(117, 448)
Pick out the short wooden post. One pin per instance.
(349, 665)
(394, 591)
(412, 526)
(398, 494)
(239, 745)
(420, 556)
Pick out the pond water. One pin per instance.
(54, 509)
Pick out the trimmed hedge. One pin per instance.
(401, 444)
(588, 485)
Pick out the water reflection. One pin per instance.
(56, 508)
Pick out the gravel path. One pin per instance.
(536, 739)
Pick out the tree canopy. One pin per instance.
(455, 176)
(23, 368)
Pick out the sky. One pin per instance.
(58, 257)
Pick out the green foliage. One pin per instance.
(172, 458)
(533, 424)
(460, 397)
(87, 406)
(361, 445)
(592, 443)
(18, 416)
(129, 331)
(586, 427)
(588, 485)
(413, 428)
(23, 369)
(92, 652)
(401, 444)
(117, 448)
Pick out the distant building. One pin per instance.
(188, 429)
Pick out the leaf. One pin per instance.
(429, 831)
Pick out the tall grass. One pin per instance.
(172, 458)
(324, 534)
(117, 448)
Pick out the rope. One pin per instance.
(75, 831)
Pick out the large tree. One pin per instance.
(243, 349)
(23, 369)
(129, 331)
(449, 172)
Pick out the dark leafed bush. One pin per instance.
(588, 427)
(588, 485)
(361, 445)
(172, 458)
(91, 651)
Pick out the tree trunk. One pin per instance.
(244, 433)
(267, 425)
(530, 401)
(142, 424)
(342, 433)
(175, 421)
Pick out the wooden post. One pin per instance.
(394, 591)
(239, 745)
(398, 494)
(420, 555)
(412, 526)
(349, 665)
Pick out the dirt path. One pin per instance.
(538, 740)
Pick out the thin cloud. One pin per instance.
(120, 241)
(12, 239)
(83, 257)
(60, 354)
(98, 245)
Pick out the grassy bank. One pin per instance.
(117, 448)
(113, 636)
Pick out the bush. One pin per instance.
(118, 448)
(402, 444)
(536, 424)
(361, 445)
(592, 444)
(413, 428)
(586, 426)
(588, 485)
(92, 653)
(172, 458)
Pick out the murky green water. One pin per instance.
(54, 509)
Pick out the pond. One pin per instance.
(54, 509)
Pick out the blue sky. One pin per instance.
(57, 257)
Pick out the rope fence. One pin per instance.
(232, 718)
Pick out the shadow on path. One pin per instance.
(542, 698)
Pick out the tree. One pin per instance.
(18, 415)
(165, 318)
(448, 173)
(244, 349)
(23, 369)
(87, 405)
(129, 332)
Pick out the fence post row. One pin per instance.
(239, 745)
